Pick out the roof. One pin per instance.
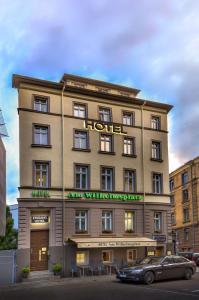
(96, 242)
(91, 87)
(184, 166)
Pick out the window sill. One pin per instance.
(81, 232)
(129, 155)
(157, 159)
(107, 232)
(106, 152)
(80, 149)
(40, 146)
(158, 232)
(127, 232)
(188, 221)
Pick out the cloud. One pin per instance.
(151, 45)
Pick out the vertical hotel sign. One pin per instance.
(104, 127)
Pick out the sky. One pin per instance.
(150, 45)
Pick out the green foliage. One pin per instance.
(9, 241)
(25, 270)
(57, 268)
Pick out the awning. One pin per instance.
(113, 242)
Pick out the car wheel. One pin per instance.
(149, 277)
(188, 274)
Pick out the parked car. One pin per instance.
(191, 256)
(154, 268)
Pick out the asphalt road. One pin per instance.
(100, 288)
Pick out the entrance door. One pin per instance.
(39, 241)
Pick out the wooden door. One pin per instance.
(39, 242)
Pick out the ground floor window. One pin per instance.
(82, 258)
(107, 256)
(131, 255)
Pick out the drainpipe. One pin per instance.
(143, 168)
(63, 173)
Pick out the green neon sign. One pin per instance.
(41, 194)
(91, 195)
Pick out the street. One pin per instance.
(101, 287)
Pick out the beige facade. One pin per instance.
(184, 186)
(58, 152)
(2, 188)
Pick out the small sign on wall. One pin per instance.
(39, 219)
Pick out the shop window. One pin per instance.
(129, 221)
(41, 103)
(82, 258)
(131, 255)
(107, 256)
(105, 114)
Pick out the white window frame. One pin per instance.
(128, 118)
(107, 219)
(129, 146)
(40, 104)
(106, 143)
(82, 215)
(156, 150)
(79, 110)
(86, 262)
(130, 175)
(41, 135)
(81, 173)
(157, 183)
(41, 171)
(155, 122)
(107, 173)
(134, 257)
(157, 221)
(110, 256)
(80, 137)
(105, 114)
(129, 220)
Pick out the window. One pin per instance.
(155, 122)
(181, 259)
(172, 200)
(171, 184)
(107, 179)
(129, 221)
(41, 174)
(186, 234)
(79, 110)
(157, 183)
(106, 143)
(81, 177)
(186, 215)
(107, 256)
(81, 139)
(129, 146)
(105, 114)
(157, 221)
(156, 150)
(40, 103)
(173, 219)
(130, 181)
(128, 118)
(185, 195)
(41, 135)
(82, 258)
(131, 255)
(106, 221)
(184, 178)
(81, 221)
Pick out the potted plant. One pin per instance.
(57, 268)
(25, 272)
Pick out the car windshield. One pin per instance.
(151, 260)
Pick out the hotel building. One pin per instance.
(94, 179)
(184, 187)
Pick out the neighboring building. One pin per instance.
(14, 212)
(3, 133)
(184, 187)
(93, 174)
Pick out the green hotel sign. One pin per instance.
(88, 195)
(40, 194)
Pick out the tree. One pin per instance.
(9, 241)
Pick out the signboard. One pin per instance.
(88, 195)
(39, 219)
(41, 194)
(104, 127)
(161, 238)
(116, 244)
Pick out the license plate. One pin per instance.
(122, 276)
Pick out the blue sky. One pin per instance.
(151, 45)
